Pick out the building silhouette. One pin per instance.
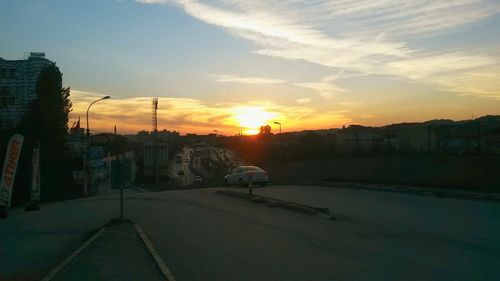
(18, 80)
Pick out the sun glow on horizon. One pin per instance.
(251, 118)
(251, 132)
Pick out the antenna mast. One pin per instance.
(155, 116)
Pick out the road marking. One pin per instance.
(163, 267)
(73, 255)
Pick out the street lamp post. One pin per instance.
(88, 108)
(278, 123)
(85, 183)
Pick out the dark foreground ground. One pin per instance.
(206, 236)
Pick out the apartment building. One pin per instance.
(18, 80)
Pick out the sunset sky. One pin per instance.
(231, 65)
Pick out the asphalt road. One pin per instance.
(186, 178)
(378, 235)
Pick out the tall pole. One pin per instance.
(278, 123)
(88, 108)
(121, 201)
(155, 140)
(85, 183)
(429, 149)
(478, 137)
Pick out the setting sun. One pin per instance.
(251, 132)
(251, 118)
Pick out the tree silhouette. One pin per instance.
(46, 122)
(47, 116)
(265, 130)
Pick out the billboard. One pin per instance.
(155, 154)
(9, 169)
(121, 173)
(35, 178)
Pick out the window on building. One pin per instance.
(12, 73)
(9, 123)
(4, 97)
(3, 73)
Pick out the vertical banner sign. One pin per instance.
(35, 179)
(9, 169)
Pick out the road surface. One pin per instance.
(180, 171)
(200, 161)
(205, 236)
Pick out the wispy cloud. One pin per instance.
(472, 75)
(282, 37)
(480, 83)
(326, 87)
(430, 66)
(246, 80)
(402, 18)
(366, 37)
(303, 101)
(325, 90)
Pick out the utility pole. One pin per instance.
(429, 139)
(155, 139)
(478, 137)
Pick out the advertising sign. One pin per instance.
(121, 174)
(95, 153)
(35, 179)
(156, 155)
(9, 169)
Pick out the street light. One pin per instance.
(86, 185)
(88, 130)
(278, 123)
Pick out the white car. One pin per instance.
(242, 175)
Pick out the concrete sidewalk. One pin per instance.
(117, 253)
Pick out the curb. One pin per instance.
(73, 255)
(163, 267)
(149, 246)
(414, 190)
(273, 203)
(422, 191)
(139, 189)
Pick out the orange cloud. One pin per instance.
(195, 116)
